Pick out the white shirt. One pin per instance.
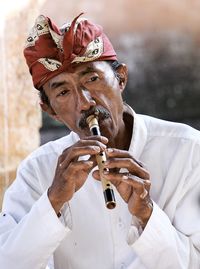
(88, 235)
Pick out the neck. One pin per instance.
(123, 138)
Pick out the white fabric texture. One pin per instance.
(88, 235)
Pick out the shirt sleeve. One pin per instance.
(29, 242)
(161, 246)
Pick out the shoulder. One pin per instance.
(170, 140)
(167, 129)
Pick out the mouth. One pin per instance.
(100, 111)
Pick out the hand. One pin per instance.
(133, 185)
(71, 173)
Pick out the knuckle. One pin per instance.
(147, 175)
(147, 184)
(68, 173)
(130, 162)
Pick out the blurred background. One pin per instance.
(159, 40)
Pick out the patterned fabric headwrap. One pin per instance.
(50, 51)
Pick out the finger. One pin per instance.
(100, 141)
(64, 165)
(140, 186)
(76, 152)
(81, 144)
(76, 167)
(84, 143)
(93, 159)
(68, 181)
(100, 138)
(129, 164)
(111, 152)
(91, 141)
(96, 175)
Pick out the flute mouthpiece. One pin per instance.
(93, 119)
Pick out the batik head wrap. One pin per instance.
(50, 51)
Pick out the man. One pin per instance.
(55, 209)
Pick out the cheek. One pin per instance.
(65, 111)
(116, 106)
(113, 99)
(108, 91)
(70, 120)
(63, 104)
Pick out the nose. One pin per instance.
(85, 100)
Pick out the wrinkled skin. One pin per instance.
(73, 96)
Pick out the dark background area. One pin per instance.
(164, 78)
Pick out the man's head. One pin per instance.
(76, 70)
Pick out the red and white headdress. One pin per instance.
(50, 51)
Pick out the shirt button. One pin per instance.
(120, 223)
(122, 266)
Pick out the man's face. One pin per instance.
(74, 95)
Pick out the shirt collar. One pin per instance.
(139, 136)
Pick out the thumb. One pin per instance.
(96, 175)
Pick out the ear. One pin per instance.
(122, 74)
(49, 110)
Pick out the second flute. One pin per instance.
(101, 158)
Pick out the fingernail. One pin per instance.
(103, 147)
(125, 180)
(109, 150)
(147, 182)
(105, 172)
(105, 139)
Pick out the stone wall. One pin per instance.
(20, 117)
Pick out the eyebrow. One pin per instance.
(89, 69)
(58, 84)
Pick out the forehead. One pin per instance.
(80, 70)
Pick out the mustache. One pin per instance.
(102, 115)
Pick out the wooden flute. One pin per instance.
(108, 192)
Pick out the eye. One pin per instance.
(93, 78)
(62, 93)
